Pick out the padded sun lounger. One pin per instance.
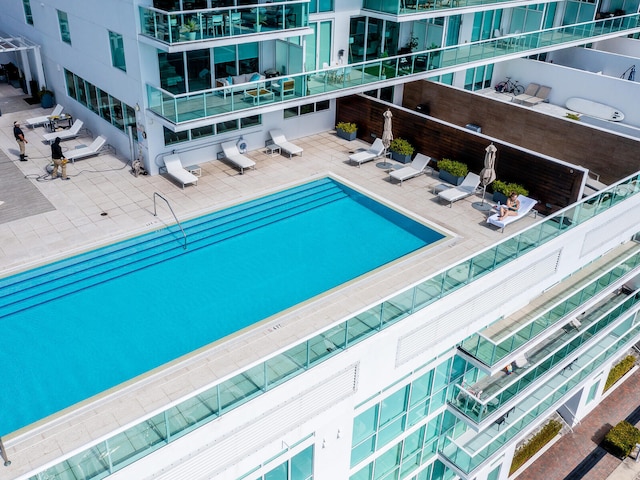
(541, 96)
(468, 187)
(83, 152)
(528, 93)
(230, 152)
(374, 151)
(526, 204)
(175, 170)
(287, 147)
(417, 167)
(72, 132)
(35, 121)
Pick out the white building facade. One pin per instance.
(414, 386)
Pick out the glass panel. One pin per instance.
(365, 424)
(393, 405)
(198, 65)
(27, 11)
(278, 473)
(238, 390)
(302, 465)
(63, 22)
(390, 431)
(117, 51)
(362, 451)
(138, 440)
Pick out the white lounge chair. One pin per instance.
(374, 151)
(72, 132)
(415, 168)
(468, 187)
(83, 152)
(230, 152)
(526, 204)
(41, 120)
(175, 170)
(278, 138)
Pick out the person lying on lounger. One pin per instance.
(511, 208)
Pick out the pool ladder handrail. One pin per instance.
(155, 214)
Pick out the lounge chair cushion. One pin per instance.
(278, 138)
(82, 152)
(175, 170)
(72, 132)
(526, 204)
(231, 153)
(468, 187)
(32, 122)
(374, 151)
(417, 167)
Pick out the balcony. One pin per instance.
(480, 400)
(179, 108)
(501, 339)
(217, 23)
(468, 450)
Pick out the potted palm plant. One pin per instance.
(46, 98)
(347, 130)
(501, 190)
(192, 27)
(452, 171)
(401, 150)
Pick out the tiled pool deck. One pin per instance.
(67, 217)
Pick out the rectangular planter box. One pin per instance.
(398, 157)
(447, 177)
(347, 136)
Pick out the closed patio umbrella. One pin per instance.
(387, 137)
(487, 175)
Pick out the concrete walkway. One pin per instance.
(578, 455)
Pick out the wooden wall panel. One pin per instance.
(611, 156)
(554, 184)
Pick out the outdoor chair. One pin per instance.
(175, 170)
(374, 151)
(541, 96)
(417, 167)
(278, 138)
(84, 152)
(230, 152)
(526, 205)
(41, 120)
(468, 187)
(72, 132)
(528, 93)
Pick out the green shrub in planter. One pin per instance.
(619, 370)
(621, 439)
(347, 130)
(401, 150)
(506, 188)
(533, 446)
(457, 169)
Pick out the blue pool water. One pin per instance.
(78, 327)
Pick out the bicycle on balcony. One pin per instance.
(507, 86)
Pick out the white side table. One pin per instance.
(272, 149)
(195, 169)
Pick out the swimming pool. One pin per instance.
(77, 327)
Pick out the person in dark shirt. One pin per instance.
(58, 160)
(17, 132)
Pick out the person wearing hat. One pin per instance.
(17, 132)
(58, 160)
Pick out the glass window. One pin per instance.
(227, 126)
(251, 121)
(174, 137)
(198, 68)
(278, 473)
(171, 67)
(495, 473)
(248, 58)
(63, 21)
(27, 11)
(316, 6)
(393, 405)
(117, 51)
(592, 392)
(365, 424)
(302, 465)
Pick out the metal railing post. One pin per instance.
(3, 454)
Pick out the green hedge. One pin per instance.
(619, 371)
(533, 446)
(621, 439)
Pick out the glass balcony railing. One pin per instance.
(481, 400)
(491, 349)
(192, 25)
(106, 457)
(184, 107)
(412, 7)
(468, 451)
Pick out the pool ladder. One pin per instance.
(155, 214)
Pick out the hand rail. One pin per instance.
(155, 214)
(3, 454)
